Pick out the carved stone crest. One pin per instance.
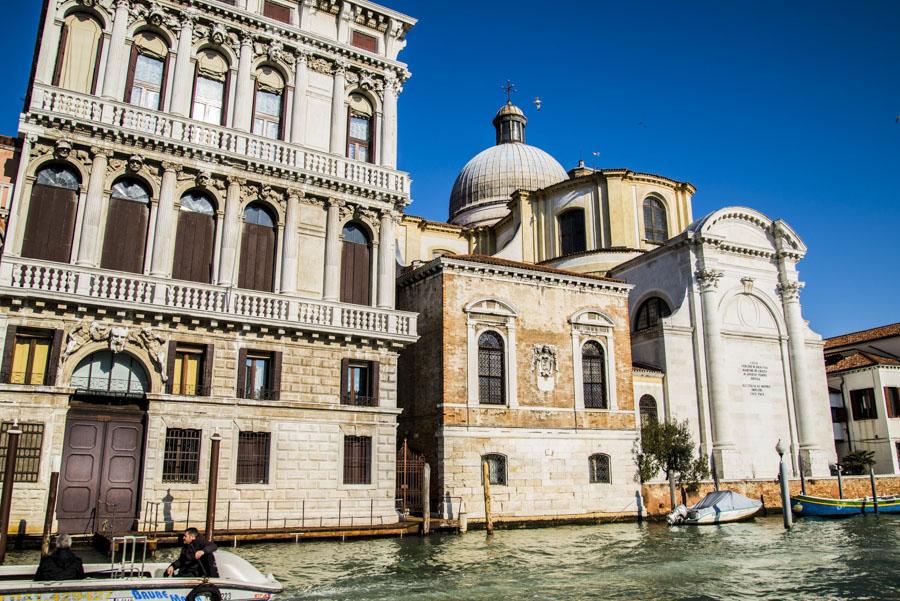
(118, 338)
(545, 365)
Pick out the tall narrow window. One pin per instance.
(28, 457)
(31, 358)
(78, 58)
(253, 458)
(650, 313)
(599, 469)
(187, 376)
(195, 240)
(862, 402)
(356, 266)
(146, 83)
(258, 249)
(181, 459)
(648, 409)
(210, 88)
(268, 105)
(357, 459)
(496, 468)
(571, 232)
(656, 227)
(491, 370)
(892, 400)
(593, 370)
(359, 383)
(51, 214)
(359, 130)
(257, 371)
(126, 227)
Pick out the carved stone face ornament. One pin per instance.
(118, 336)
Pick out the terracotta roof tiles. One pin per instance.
(860, 359)
(863, 336)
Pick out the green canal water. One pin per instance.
(854, 558)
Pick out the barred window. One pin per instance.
(648, 409)
(599, 466)
(650, 313)
(496, 468)
(593, 369)
(181, 460)
(28, 455)
(490, 369)
(357, 460)
(656, 228)
(253, 458)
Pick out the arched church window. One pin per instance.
(194, 243)
(52, 206)
(78, 57)
(356, 265)
(593, 370)
(147, 70)
(113, 373)
(656, 228)
(258, 243)
(210, 88)
(571, 232)
(491, 370)
(268, 104)
(126, 227)
(359, 132)
(648, 409)
(650, 313)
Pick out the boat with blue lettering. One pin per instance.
(809, 506)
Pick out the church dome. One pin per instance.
(485, 184)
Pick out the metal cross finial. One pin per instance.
(509, 88)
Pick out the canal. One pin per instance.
(854, 558)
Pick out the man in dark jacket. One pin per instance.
(62, 564)
(196, 557)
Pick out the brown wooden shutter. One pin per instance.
(208, 358)
(275, 376)
(277, 11)
(241, 372)
(253, 109)
(8, 350)
(55, 349)
(194, 89)
(170, 366)
(126, 236)
(257, 268)
(373, 131)
(132, 64)
(97, 65)
(51, 224)
(888, 401)
(226, 94)
(364, 41)
(60, 54)
(163, 84)
(346, 272)
(345, 368)
(283, 119)
(194, 247)
(347, 141)
(375, 385)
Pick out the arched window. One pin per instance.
(356, 266)
(648, 409)
(113, 373)
(571, 232)
(656, 228)
(491, 385)
(268, 104)
(496, 468)
(599, 469)
(593, 370)
(360, 136)
(78, 57)
(258, 249)
(146, 83)
(51, 214)
(210, 88)
(126, 227)
(650, 313)
(195, 239)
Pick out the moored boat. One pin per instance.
(718, 507)
(808, 506)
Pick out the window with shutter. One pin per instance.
(355, 266)
(364, 41)
(862, 403)
(194, 244)
(360, 383)
(30, 358)
(77, 60)
(571, 232)
(124, 243)
(257, 268)
(276, 11)
(50, 226)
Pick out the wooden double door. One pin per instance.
(100, 475)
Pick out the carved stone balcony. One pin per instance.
(49, 104)
(63, 282)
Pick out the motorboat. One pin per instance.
(809, 506)
(717, 507)
(132, 578)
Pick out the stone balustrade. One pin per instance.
(59, 281)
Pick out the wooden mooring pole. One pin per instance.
(785, 491)
(9, 477)
(216, 439)
(426, 499)
(874, 489)
(486, 479)
(840, 482)
(51, 508)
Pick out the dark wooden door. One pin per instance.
(194, 247)
(51, 224)
(257, 258)
(99, 480)
(126, 236)
(355, 273)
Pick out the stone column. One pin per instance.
(161, 264)
(88, 247)
(389, 124)
(46, 61)
(338, 111)
(116, 64)
(231, 232)
(291, 250)
(386, 262)
(298, 112)
(184, 74)
(722, 428)
(243, 97)
(18, 204)
(332, 287)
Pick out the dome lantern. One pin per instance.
(510, 124)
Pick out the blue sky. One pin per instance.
(786, 107)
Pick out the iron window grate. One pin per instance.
(28, 455)
(599, 465)
(253, 458)
(357, 460)
(496, 468)
(181, 459)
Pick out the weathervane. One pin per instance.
(509, 88)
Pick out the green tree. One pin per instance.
(858, 462)
(668, 447)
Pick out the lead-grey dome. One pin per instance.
(485, 184)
